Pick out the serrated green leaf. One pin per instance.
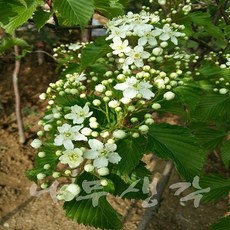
(225, 153)
(219, 187)
(75, 12)
(41, 17)
(131, 152)
(222, 224)
(177, 143)
(109, 8)
(92, 52)
(210, 138)
(213, 107)
(15, 13)
(101, 216)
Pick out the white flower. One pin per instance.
(120, 46)
(118, 32)
(102, 154)
(149, 38)
(67, 135)
(68, 192)
(142, 29)
(78, 114)
(74, 47)
(72, 157)
(136, 56)
(131, 87)
(167, 33)
(36, 143)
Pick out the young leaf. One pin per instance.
(15, 13)
(219, 187)
(92, 52)
(225, 153)
(178, 144)
(41, 17)
(75, 12)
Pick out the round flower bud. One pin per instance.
(106, 99)
(41, 176)
(68, 172)
(135, 135)
(94, 125)
(92, 119)
(104, 134)
(46, 166)
(89, 168)
(74, 188)
(94, 134)
(40, 133)
(148, 115)
(100, 88)
(104, 182)
(119, 134)
(44, 185)
(157, 51)
(118, 109)
(164, 44)
(223, 91)
(41, 154)
(113, 104)
(108, 93)
(42, 96)
(134, 119)
(96, 102)
(131, 108)
(111, 141)
(36, 143)
(58, 153)
(56, 175)
(103, 171)
(82, 95)
(143, 129)
(125, 100)
(162, 2)
(86, 131)
(156, 106)
(47, 127)
(169, 96)
(149, 121)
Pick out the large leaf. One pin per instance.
(15, 13)
(225, 153)
(131, 152)
(92, 52)
(219, 187)
(213, 107)
(177, 143)
(75, 12)
(101, 214)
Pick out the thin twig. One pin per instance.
(42, 51)
(160, 187)
(17, 95)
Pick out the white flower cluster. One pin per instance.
(89, 113)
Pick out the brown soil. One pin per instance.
(20, 211)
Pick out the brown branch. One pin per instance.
(17, 95)
(160, 187)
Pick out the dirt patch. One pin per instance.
(19, 210)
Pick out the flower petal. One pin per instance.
(100, 162)
(91, 154)
(68, 144)
(114, 158)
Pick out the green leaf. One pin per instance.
(222, 224)
(213, 107)
(225, 153)
(210, 138)
(15, 13)
(219, 187)
(131, 152)
(109, 8)
(41, 17)
(92, 52)
(177, 143)
(75, 12)
(10, 42)
(101, 215)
